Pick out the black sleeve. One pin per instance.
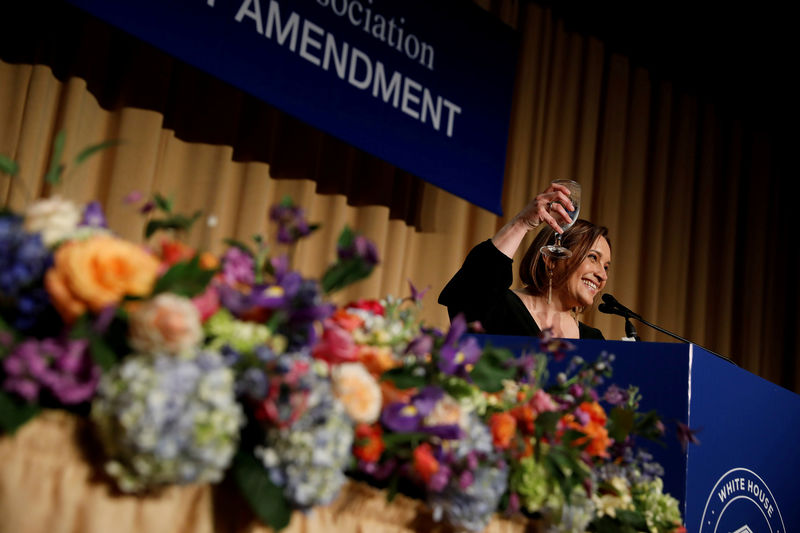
(481, 282)
(588, 332)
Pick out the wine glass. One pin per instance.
(556, 251)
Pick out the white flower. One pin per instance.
(167, 323)
(55, 218)
(358, 391)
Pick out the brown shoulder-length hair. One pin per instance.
(579, 238)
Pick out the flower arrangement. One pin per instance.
(193, 367)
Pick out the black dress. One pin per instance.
(480, 290)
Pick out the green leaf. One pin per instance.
(546, 422)
(56, 168)
(185, 278)
(102, 354)
(607, 524)
(393, 440)
(240, 245)
(346, 237)
(404, 377)
(632, 518)
(620, 423)
(8, 165)
(286, 201)
(14, 414)
(164, 204)
(458, 388)
(175, 222)
(265, 498)
(89, 151)
(492, 369)
(343, 273)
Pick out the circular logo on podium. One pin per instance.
(741, 502)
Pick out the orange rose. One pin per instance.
(597, 440)
(425, 464)
(377, 359)
(525, 416)
(348, 321)
(369, 443)
(503, 427)
(98, 272)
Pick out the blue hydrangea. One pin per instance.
(164, 420)
(308, 458)
(24, 259)
(472, 507)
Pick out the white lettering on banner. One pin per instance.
(305, 40)
(358, 70)
(741, 487)
(375, 24)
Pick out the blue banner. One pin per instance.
(424, 85)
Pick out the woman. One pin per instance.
(480, 289)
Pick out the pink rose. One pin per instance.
(336, 346)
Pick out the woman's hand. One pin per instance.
(549, 206)
(545, 207)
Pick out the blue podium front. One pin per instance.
(743, 476)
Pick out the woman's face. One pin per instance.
(591, 275)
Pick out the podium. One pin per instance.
(744, 474)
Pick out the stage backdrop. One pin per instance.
(426, 86)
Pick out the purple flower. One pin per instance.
(615, 396)
(409, 417)
(63, 368)
(458, 326)
(558, 348)
(237, 267)
(233, 300)
(416, 295)
(440, 478)
(420, 346)
(93, 216)
(406, 417)
(458, 360)
(133, 197)
(360, 247)
(465, 479)
(292, 224)
(686, 435)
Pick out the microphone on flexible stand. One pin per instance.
(611, 306)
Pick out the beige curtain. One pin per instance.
(688, 189)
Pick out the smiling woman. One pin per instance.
(554, 292)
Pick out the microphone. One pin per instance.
(611, 306)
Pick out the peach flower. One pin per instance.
(98, 272)
(447, 412)
(358, 391)
(167, 323)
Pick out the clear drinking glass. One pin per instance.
(556, 251)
